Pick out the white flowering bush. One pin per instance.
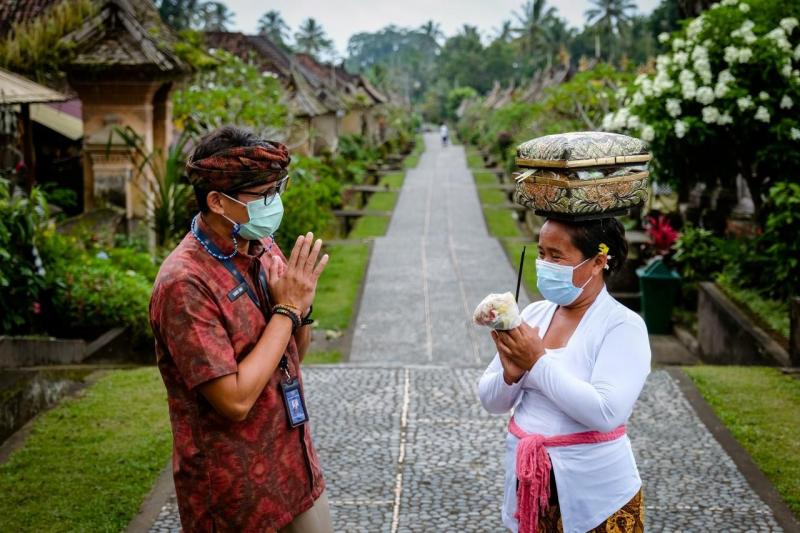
(725, 100)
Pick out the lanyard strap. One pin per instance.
(262, 280)
(217, 254)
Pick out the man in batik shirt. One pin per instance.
(231, 320)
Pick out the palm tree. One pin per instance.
(311, 39)
(272, 25)
(534, 21)
(608, 16)
(433, 31)
(505, 32)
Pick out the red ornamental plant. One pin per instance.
(661, 233)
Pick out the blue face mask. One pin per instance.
(555, 282)
(264, 219)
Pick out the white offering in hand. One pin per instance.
(498, 311)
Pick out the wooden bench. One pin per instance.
(365, 191)
(347, 216)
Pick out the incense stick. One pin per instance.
(519, 272)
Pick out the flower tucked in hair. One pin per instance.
(603, 248)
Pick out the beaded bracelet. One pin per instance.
(291, 307)
(281, 309)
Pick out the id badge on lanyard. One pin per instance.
(293, 397)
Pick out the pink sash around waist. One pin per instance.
(533, 468)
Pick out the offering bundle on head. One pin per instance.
(582, 175)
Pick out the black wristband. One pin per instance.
(307, 320)
(285, 311)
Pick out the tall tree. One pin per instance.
(433, 31)
(505, 32)
(534, 22)
(272, 26)
(179, 14)
(214, 16)
(462, 61)
(608, 16)
(311, 38)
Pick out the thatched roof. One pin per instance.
(125, 37)
(15, 89)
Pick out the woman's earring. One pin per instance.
(608, 258)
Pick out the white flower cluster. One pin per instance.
(762, 114)
(673, 107)
(701, 63)
(789, 24)
(686, 84)
(737, 55)
(745, 32)
(778, 35)
(724, 79)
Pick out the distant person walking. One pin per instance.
(444, 132)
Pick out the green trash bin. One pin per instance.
(658, 285)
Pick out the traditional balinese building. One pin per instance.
(326, 101)
(362, 103)
(120, 71)
(123, 70)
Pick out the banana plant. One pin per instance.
(170, 210)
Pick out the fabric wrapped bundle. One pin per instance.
(498, 311)
(582, 175)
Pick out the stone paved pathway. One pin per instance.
(426, 276)
(403, 440)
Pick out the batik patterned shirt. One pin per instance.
(253, 475)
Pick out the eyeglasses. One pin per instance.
(269, 194)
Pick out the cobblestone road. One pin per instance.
(404, 442)
(450, 476)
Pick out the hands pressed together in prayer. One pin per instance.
(519, 349)
(297, 285)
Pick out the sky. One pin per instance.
(343, 18)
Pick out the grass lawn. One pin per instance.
(760, 406)
(493, 196)
(374, 226)
(338, 286)
(89, 462)
(501, 223)
(322, 358)
(394, 180)
(485, 178)
(412, 160)
(474, 159)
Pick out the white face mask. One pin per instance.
(555, 282)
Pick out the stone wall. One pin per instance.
(727, 335)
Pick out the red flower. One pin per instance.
(36, 308)
(662, 234)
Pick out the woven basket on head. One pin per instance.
(582, 175)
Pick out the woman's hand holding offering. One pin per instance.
(519, 349)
